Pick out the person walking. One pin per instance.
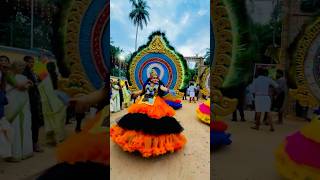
(240, 96)
(121, 94)
(192, 90)
(261, 87)
(280, 96)
(185, 93)
(197, 91)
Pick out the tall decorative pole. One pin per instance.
(31, 29)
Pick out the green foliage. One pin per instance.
(49, 35)
(207, 57)
(251, 41)
(243, 45)
(118, 72)
(139, 14)
(59, 24)
(310, 6)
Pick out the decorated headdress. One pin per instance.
(153, 73)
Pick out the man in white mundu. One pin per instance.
(260, 88)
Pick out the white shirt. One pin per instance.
(192, 89)
(260, 86)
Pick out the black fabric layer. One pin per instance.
(77, 171)
(141, 122)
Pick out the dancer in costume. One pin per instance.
(149, 127)
(115, 97)
(203, 112)
(298, 157)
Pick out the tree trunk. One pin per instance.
(136, 38)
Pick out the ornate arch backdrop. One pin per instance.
(87, 43)
(158, 54)
(205, 82)
(307, 67)
(223, 32)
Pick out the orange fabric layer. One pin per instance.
(86, 145)
(147, 145)
(158, 110)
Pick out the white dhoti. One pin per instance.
(262, 103)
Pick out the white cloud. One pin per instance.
(173, 27)
(117, 11)
(202, 12)
(164, 17)
(185, 18)
(197, 44)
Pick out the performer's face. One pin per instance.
(154, 79)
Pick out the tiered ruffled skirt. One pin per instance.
(173, 101)
(91, 144)
(299, 156)
(149, 129)
(203, 112)
(218, 136)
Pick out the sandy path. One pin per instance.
(190, 163)
(30, 168)
(251, 154)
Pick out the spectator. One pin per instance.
(35, 102)
(261, 87)
(192, 90)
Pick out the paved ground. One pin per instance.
(192, 162)
(251, 155)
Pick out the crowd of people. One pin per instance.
(193, 91)
(27, 103)
(263, 95)
(121, 97)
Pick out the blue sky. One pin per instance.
(185, 22)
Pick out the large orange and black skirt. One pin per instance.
(91, 144)
(149, 129)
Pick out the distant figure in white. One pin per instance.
(192, 92)
(115, 97)
(260, 89)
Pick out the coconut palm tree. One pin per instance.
(139, 15)
(207, 57)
